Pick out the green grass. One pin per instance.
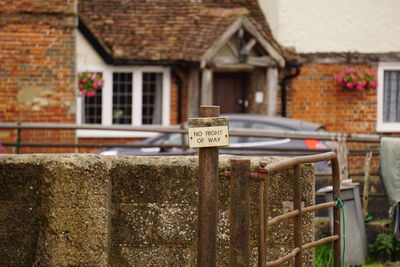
(324, 257)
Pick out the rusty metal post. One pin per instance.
(298, 220)
(262, 235)
(208, 194)
(336, 213)
(239, 210)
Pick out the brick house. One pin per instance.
(174, 56)
(160, 60)
(330, 37)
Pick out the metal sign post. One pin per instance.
(208, 133)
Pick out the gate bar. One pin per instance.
(239, 213)
(262, 235)
(298, 219)
(297, 212)
(208, 196)
(336, 213)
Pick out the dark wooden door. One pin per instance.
(229, 91)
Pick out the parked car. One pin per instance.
(238, 144)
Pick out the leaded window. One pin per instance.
(92, 108)
(152, 98)
(391, 96)
(122, 98)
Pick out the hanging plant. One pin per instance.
(89, 83)
(350, 78)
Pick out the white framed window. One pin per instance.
(388, 97)
(130, 96)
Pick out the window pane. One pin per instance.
(122, 98)
(92, 107)
(266, 127)
(391, 96)
(152, 98)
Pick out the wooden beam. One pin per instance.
(222, 61)
(235, 67)
(193, 101)
(246, 49)
(212, 51)
(272, 87)
(206, 87)
(267, 46)
(265, 61)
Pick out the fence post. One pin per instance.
(208, 195)
(19, 139)
(367, 171)
(343, 152)
(239, 210)
(263, 218)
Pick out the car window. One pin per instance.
(170, 139)
(236, 124)
(266, 127)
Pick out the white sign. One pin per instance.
(208, 136)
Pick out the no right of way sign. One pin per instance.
(208, 132)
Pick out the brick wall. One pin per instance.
(37, 55)
(315, 96)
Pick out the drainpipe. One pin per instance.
(283, 83)
(178, 82)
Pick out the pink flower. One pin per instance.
(349, 70)
(80, 86)
(82, 92)
(353, 78)
(91, 94)
(349, 85)
(84, 80)
(95, 85)
(373, 84)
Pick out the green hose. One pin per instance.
(341, 205)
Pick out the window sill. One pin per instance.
(112, 134)
(388, 127)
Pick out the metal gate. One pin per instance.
(240, 175)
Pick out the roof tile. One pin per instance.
(165, 30)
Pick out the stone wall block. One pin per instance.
(76, 205)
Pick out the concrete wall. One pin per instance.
(90, 210)
(367, 26)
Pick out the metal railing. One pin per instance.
(239, 174)
(20, 126)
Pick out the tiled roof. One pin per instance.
(164, 30)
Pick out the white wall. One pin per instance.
(86, 55)
(366, 26)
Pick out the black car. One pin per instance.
(238, 144)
